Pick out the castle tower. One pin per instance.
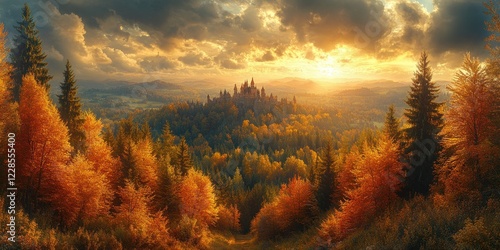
(235, 90)
(252, 84)
(263, 92)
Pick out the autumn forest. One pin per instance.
(416, 166)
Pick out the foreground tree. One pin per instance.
(293, 209)
(377, 176)
(493, 27)
(5, 68)
(98, 152)
(27, 56)
(70, 109)
(326, 179)
(469, 166)
(141, 229)
(424, 123)
(9, 119)
(494, 64)
(82, 195)
(183, 159)
(197, 198)
(43, 143)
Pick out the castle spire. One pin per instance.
(252, 83)
(235, 90)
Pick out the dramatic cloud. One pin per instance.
(115, 38)
(458, 26)
(195, 59)
(327, 24)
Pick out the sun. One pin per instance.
(327, 71)
(327, 67)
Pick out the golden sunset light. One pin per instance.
(250, 124)
(322, 40)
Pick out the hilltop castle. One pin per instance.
(249, 97)
(247, 92)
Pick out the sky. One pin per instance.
(233, 40)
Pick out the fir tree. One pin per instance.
(27, 55)
(391, 126)
(70, 108)
(326, 178)
(425, 122)
(183, 159)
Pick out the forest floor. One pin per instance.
(228, 240)
(225, 240)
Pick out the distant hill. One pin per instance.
(357, 92)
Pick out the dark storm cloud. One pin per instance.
(164, 20)
(413, 17)
(458, 26)
(328, 23)
(411, 12)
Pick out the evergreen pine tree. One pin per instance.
(326, 178)
(70, 108)
(425, 122)
(183, 159)
(27, 55)
(391, 126)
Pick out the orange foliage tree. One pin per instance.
(296, 204)
(294, 208)
(83, 195)
(197, 198)
(143, 229)
(145, 171)
(98, 152)
(43, 144)
(134, 208)
(377, 176)
(470, 157)
(229, 218)
(8, 110)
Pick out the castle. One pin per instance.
(249, 97)
(247, 93)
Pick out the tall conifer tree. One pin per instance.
(326, 178)
(424, 123)
(27, 55)
(391, 126)
(70, 108)
(183, 159)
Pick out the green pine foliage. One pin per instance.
(27, 55)
(423, 112)
(70, 108)
(391, 125)
(424, 120)
(183, 159)
(326, 178)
